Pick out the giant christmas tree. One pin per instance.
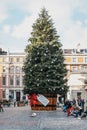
(44, 66)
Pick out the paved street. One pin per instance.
(19, 118)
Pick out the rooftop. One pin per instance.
(75, 51)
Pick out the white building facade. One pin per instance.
(12, 76)
(76, 64)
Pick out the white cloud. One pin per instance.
(59, 17)
(6, 29)
(74, 35)
(23, 30)
(3, 13)
(86, 21)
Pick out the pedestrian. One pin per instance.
(84, 114)
(77, 111)
(82, 104)
(26, 102)
(74, 101)
(14, 103)
(1, 107)
(79, 101)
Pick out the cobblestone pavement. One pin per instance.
(19, 118)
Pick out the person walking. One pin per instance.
(14, 103)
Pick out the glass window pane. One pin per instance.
(17, 80)
(11, 80)
(17, 69)
(4, 80)
(12, 69)
(3, 94)
(4, 68)
(18, 60)
(74, 59)
(86, 59)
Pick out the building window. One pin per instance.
(74, 59)
(84, 68)
(11, 60)
(18, 60)
(12, 69)
(74, 51)
(17, 80)
(23, 59)
(17, 69)
(4, 68)
(11, 80)
(85, 59)
(3, 94)
(4, 80)
(4, 59)
(74, 68)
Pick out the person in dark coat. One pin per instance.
(1, 107)
(84, 114)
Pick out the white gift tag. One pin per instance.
(42, 99)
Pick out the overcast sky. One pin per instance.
(18, 16)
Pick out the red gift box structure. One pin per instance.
(33, 99)
(37, 105)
